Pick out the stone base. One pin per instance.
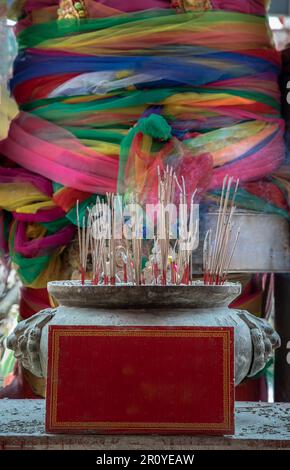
(259, 426)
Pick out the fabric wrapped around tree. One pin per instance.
(206, 70)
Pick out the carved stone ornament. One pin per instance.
(265, 341)
(25, 340)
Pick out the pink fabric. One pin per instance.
(257, 166)
(256, 83)
(106, 8)
(139, 5)
(48, 150)
(20, 175)
(253, 7)
(121, 5)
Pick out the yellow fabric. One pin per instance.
(35, 207)
(52, 272)
(16, 196)
(8, 111)
(102, 147)
(37, 384)
(34, 231)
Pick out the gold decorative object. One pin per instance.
(192, 5)
(70, 9)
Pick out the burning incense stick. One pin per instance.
(84, 238)
(97, 236)
(217, 255)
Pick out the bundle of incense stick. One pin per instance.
(187, 238)
(180, 260)
(83, 238)
(111, 241)
(166, 191)
(133, 267)
(218, 251)
(97, 236)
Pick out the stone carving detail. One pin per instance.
(25, 340)
(264, 340)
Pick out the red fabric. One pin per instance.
(250, 291)
(269, 192)
(32, 301)
(39, 88)
(253, 390)
(271, 55)
(18, 387)
(67, 198)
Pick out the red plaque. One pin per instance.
(130, 380)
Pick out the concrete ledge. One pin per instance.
(258, 426)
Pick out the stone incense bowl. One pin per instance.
(122, 305)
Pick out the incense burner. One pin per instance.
(125, 305)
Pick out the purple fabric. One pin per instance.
(20, 175)
(254, 7)
(122, 5)
(44, 215)
(139, 5)
(34, 248)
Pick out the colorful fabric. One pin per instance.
(90, 93)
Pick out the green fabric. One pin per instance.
(96, 134)
(55, 225)
(72, 214)
(47, 107)
(124, 154)
(7, 364)
(57, 186)
(133, 98)
(37, 34)
(264, 372)
(28, 268)
(155, 126)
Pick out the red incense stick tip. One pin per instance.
(125, 275)
(83, 275)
